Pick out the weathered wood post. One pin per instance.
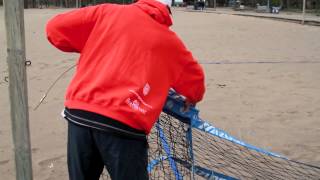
(303, 11)
(14, 22)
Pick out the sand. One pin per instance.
(272, 105)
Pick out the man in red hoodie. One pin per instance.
(129, 59)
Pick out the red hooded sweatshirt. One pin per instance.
(129, 58)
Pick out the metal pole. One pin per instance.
(303, 11)
(14, 22)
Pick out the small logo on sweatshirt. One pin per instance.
(137, 102)
(135, 105)
(146, 89)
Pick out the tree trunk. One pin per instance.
(66, 3)
(26, 4)
(210, 3)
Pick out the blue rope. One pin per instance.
(208, 128)
(155, 162)
(167, 150)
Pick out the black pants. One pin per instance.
(89, 150)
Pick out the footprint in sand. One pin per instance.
(34, 150)
(34, 77)
(53, 168)
(309, 114)
(4, 162)
(49, 163)
(43, 66)
(221, 85)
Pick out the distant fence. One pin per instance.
(312, 6)
(284, 4)
(68, 3)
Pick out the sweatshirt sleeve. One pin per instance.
(191, 79)
(70, 31)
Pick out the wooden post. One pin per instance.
(14, 23)
(26, 4)
(37, 4)
(303, 11)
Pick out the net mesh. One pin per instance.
(214, 154)
(176, 138)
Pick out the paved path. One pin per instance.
(310, 19)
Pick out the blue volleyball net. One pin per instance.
(182, 146)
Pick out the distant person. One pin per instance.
(43, 3)
(129, 59)
(201, 5)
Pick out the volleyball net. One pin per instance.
(182, 146)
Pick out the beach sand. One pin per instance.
(274, 105)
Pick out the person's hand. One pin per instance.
(187, 106)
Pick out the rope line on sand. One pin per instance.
(28, 63)
(260, 62)
(52, 85)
